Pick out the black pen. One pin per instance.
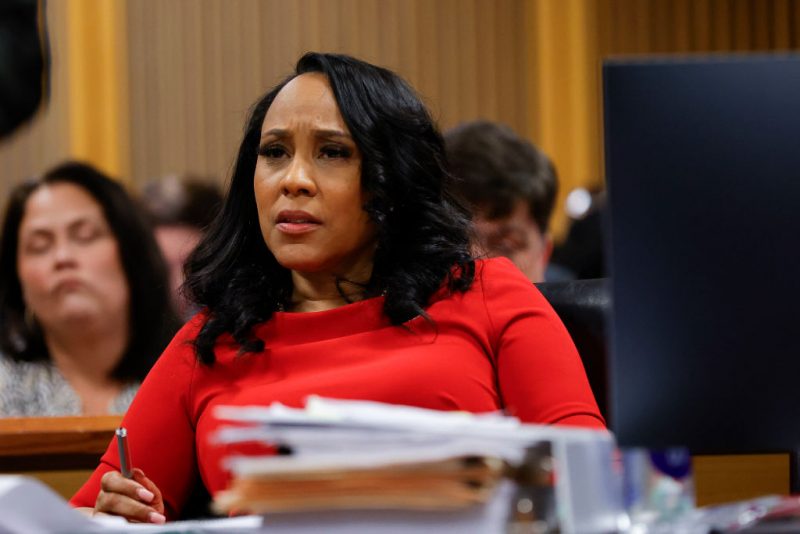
(125, 465)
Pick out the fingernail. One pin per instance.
(157, 518)
(145, 495)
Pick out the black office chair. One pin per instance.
(584, 307)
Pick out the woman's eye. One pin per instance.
(272, 151)
(336, 152)
(87, 234)
(38, 244)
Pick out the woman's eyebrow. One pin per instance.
(275, 132)
(332, 133)
(281, 133)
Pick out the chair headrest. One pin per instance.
(587, 302)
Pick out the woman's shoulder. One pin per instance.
(498, 264)
(499, 287)
(500, 274)
(190, 329)
(496, 281)
(13, 370)
(34, 389)
(182, 349)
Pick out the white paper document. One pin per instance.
(29, 507)
(367, 433)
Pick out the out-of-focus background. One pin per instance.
(146, 88)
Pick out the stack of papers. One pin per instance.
(366, 455)
(365, 467)
(441, 485)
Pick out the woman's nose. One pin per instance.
(64, 253)
(299, 178)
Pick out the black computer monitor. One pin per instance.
(703, 171)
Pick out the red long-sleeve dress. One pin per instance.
(498, 346)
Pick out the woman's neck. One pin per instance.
(87, 356)
(323, 291)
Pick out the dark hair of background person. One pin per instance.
(24, 62)
(422, 232)
(181, 200)
(152, 320)
(494, 168)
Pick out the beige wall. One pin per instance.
(149, 87)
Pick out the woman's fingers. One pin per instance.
(129, 498)
(130, 509)
(150, 493)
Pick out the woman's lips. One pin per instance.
(68, 285)
(296, 222)
(296, 228)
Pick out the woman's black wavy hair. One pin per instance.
(422, 231)
(152, 319)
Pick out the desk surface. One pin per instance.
(54, 442)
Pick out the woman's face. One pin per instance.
(68, 259)
(308, 184)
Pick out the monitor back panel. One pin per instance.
(703, 170)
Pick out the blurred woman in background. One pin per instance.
(84, 301)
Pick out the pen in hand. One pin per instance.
(149, 504)
(125, 465)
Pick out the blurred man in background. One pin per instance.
(510, 186)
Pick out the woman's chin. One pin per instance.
(301, 264)
(76, 316)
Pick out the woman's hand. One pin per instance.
(137, 499)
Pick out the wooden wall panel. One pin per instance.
(674, 26)
(782, 24)
(197, 66)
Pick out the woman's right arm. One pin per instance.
(162, 443)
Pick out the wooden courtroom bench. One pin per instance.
(60, 451)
